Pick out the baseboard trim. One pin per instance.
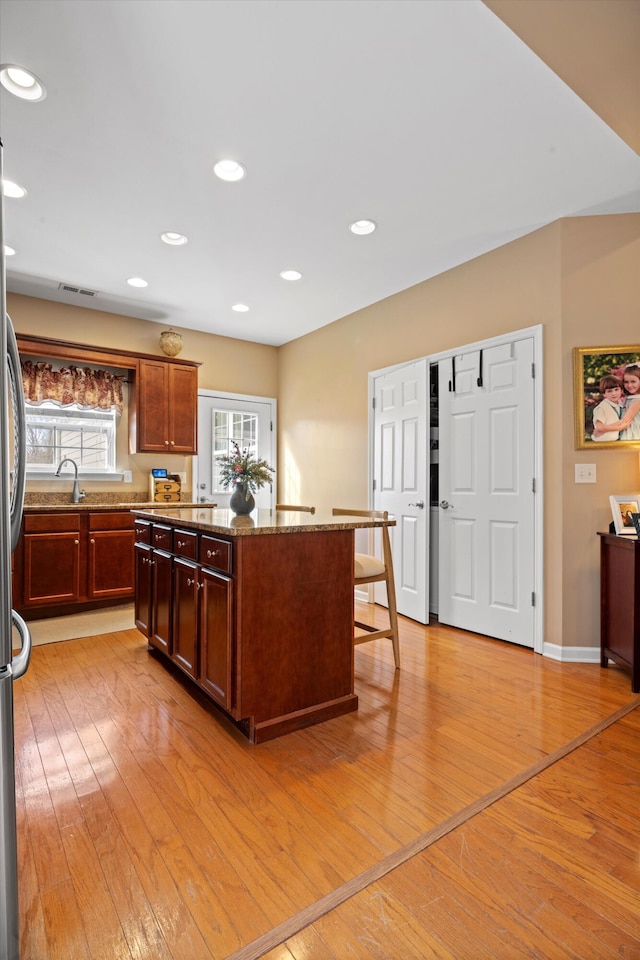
(571, 654)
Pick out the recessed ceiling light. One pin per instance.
(290, 274)
(11, 189)
(8, 251)
(174, 239)
(362, 227)
(240, 308)
(137, 282)
(229, 170)
(21, 83)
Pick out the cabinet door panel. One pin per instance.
(143, 556)
(183, 406)
(185, 614)
(152, 390)
(110, 557)
(51, 567)
(161, 601)
(216, 637)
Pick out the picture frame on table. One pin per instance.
(623, 509)
(596, 369)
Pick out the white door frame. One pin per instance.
(272, 403)
(535, 333)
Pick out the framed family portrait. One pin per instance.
(624, 510)
(606, 397)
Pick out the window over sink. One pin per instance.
(86, 436)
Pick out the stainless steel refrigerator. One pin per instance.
(13, 630)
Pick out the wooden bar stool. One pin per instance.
(370, 569)
(292, 506)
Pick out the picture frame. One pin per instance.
(590, 366)
(622, 509)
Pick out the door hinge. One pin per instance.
(374, 484)
(271, 426)
(533, 598)
(373, 402)
(533, 485)
(533, 371)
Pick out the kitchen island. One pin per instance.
(257, 610)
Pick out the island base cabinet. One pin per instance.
(262, 624)
(294, 631)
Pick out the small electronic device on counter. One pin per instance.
(164, 487)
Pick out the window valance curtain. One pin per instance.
(88, 388)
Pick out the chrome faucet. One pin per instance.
(77, 494)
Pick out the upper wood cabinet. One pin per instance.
(163, 404)
(163, 414)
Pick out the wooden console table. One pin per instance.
(620, 603)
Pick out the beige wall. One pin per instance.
(600, 306)
(577, 278)
(235, 366)
(592, 45)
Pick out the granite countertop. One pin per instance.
(218, 520)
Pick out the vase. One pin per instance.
(171, 343)
(241, 500)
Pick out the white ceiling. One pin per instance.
(428, 116)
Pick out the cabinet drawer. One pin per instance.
(143, 531)
(185, 544)
(121, 520)
(161, 537)
(216, 553)
(51, 522)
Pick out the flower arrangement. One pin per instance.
(241, 469)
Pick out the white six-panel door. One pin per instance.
(400, 471)
(486, 476)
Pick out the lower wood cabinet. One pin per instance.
(184, 608)
(71, 559)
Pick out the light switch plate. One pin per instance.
(585, 472)
(127, 476)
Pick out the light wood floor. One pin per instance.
(482, 803)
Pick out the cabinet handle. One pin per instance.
(76, 542)
(92, 540)
(190, 582)
(212, 553)
(172, 443)
(181, 544)
(199, 585)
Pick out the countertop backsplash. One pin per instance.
(100, 498)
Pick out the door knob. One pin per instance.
(420, 504)
(445, 504)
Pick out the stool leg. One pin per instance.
(391, 595)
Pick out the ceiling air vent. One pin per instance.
(69, 288)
